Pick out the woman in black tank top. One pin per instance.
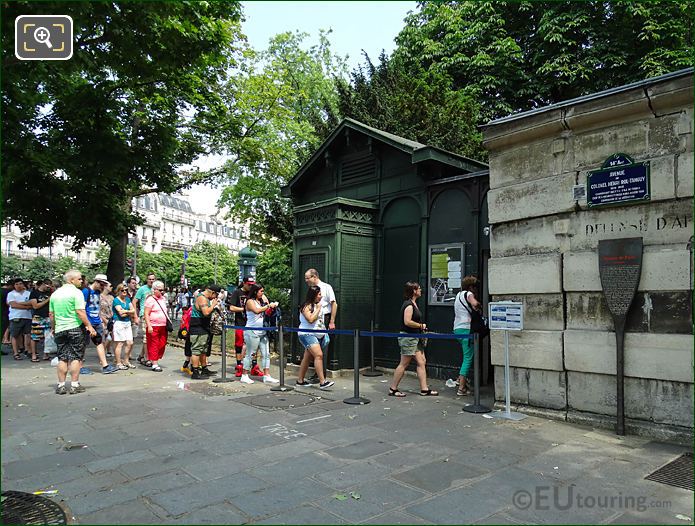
(411, 344)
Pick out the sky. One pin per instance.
(356, 26)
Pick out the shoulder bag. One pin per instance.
(478, 321)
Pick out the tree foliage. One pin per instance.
(43, 268)
(274, 272)
(116, 120)
(285, 99)
(414, 103)
(513, 56)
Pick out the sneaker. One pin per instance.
(186, 369)
(109, 369)
(61, 389)
(326, 384)
(245, 379)
(85, 370)
(195, 375)
(256, 371)
(239, 370)
(304, 383)
(267, 379)
(79, 389)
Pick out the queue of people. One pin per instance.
(73, 314)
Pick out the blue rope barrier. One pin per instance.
(322, 331)
(428, 335)
(236, 327)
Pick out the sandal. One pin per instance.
(122, 367)
(462, 392)
(35, 359)
(129, 365)
(429, 392)
(396, 393)
(46, 358)
(18, 357)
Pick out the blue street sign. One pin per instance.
(185, 255)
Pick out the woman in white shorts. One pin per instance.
(123, 310)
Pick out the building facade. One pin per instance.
(544, 253)
(169, 223)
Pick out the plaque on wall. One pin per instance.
(620, 268)
(446, 270)
(619, 181)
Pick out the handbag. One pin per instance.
(478, 321)
(170, 326)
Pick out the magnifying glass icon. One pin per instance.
(42, 36)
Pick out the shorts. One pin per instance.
(71, 344)
(122, 331)
(199, 344)
(307, 340)
(238, 339)
(20, 326)
(409, 345)
(39, 326)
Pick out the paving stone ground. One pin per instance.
(161, 450)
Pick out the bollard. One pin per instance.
(356, 399)
(477, 407)
(223, 378)
(372, 372)
(282, 387)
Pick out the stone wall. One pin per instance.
(544, 253)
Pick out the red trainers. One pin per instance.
(256, 371)
(239, 370)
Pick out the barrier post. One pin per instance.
(282, 387)
(223, 343)
(372, 372)
(356, 399)
(477, 407)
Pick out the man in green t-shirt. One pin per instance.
(69, 322)
(139, 303)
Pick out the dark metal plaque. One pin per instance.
(620, 267)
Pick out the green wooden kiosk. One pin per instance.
(373, 210)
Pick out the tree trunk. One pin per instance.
(116, 266)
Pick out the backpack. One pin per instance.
(185, 324)
(216, 321)
(272, 318)
(478, 321)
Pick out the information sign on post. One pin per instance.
(506, 316)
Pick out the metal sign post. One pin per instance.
(507, 316)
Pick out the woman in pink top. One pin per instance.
(156, 306)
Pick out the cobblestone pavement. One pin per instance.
(162, 449)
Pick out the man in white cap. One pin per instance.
(93, 301)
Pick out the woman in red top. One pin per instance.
(155, 321)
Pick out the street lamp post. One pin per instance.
(216, 227)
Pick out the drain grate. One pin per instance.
(678, 473)
(24, 508)
(281, 400)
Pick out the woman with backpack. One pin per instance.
(464, 304)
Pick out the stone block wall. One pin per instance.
(544, 253)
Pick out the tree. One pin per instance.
(40, 268)
(12, 267)
(275, 273)
(115, 121)
(414, 103)
(514, 56)
(285, 98)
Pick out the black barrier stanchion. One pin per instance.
(372, 371)
(282, 386)
(477, 407)
(356, 399)
(223, 343)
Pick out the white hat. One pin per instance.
(102, 278)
